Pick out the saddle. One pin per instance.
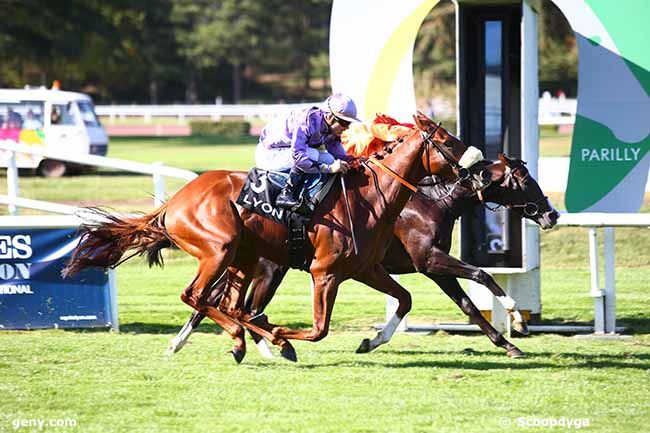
(262, 188)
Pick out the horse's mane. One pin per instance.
(366, 139)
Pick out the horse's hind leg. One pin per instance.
(177, 343)
(379, 279)
(232, 303)
(196, 294)
(451, 287)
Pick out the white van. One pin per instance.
(54, 119)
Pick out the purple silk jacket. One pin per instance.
(301, 130)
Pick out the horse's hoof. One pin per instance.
(174, 347)
(516, 353)
(289, 353)
(364, 347)
(238, 354)
(520, 328)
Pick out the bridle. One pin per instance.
(529, 209)
(427, 140)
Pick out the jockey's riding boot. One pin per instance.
(287, 198)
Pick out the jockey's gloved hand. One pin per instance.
(337, 166)
(354, 163)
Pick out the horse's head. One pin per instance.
(444, 153)
(513, 186)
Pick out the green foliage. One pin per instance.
(228, 128)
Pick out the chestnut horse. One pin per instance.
(421, 243)
(203, 219)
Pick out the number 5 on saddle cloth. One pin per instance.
(259, 193)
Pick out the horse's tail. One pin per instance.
(103, 244)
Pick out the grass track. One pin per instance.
(440, 383)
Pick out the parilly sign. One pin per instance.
(371, 59)
(611, 139)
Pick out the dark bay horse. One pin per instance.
(421, 243)
(203, 220)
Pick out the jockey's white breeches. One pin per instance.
(281, 158)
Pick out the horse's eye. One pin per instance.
(449, 144)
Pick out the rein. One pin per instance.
(396, 176)
(426, 139)
(531, 212)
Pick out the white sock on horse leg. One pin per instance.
(507, 302)
(181, 338)
(264, 349)
(385, 334)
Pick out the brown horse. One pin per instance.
(203, 220)
(422, 240)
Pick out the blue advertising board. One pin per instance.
(34, 295)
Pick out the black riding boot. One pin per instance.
(287, 198)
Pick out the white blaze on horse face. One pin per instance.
(471, 156)
(507, 302)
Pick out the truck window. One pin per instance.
(88, 113)
(61, 115)
(21, 115)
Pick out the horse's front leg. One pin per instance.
(450, 286)
(438, 262)
(263, 288)
(379, 279)
(325, 289)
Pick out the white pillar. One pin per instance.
(12, 182)
(610, 281)
(596, 293)
(158, 186)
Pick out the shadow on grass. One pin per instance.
(207, 326)
(468, 360)
(634, 325)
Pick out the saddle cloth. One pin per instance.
(263, 186)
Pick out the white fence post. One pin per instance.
(596, 292)
(610, 281)
(158, 186)
(12, 182)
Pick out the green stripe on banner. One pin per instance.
(599, 162)
(627, 23)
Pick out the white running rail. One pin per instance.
(157, 170)
(552, 111)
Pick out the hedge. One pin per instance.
(224, 127)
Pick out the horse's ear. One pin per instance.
(419, 121)
(504, 159)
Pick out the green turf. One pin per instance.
(451, 383)
(441, 383)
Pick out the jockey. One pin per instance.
(308, 141)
